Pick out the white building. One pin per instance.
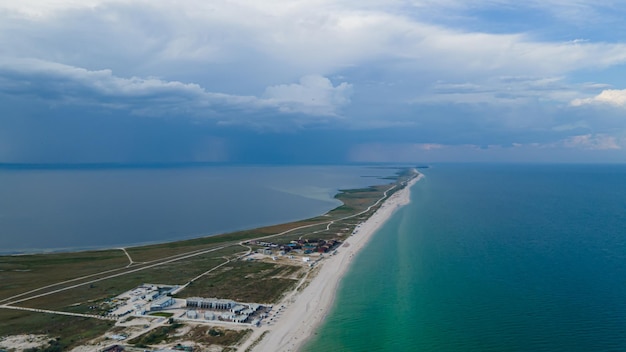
(240, 318)
(192, 314)
(210, 303)
(161, 303)
(238, 308)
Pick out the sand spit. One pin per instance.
(304, 311)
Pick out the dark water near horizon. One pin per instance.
(62, 209)
(492, 258)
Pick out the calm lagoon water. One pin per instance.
(492, 258)
(42, 210)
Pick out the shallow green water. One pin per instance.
(492, 258)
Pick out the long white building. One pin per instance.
(210, 303)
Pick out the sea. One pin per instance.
(49, 208)
(491, 258)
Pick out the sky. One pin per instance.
(312, 81)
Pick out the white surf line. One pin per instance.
(59, 312)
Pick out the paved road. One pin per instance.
(118, 274)
(159, 262)
(58, 312)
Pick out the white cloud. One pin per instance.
(75, 83)
(613, 97)
(429, 146)
(294, 38)
(567, 150)
(506, 90)
(46, 8)
(240, 57)
(573, 11)
(592, 142)
(571, 126)
(313, 94)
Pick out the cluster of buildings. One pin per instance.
(118, 348)
(302, 246)
(147, 299)
(225, 310)
(143, 299)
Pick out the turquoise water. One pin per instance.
(91, 207)
(492, 258)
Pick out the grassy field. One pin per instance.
(244, 281)
(168, 263)
(217, 336)
(158, 335)
(80, 299)
(204, 335)
(70, 331)
(26, 272)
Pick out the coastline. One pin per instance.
(292, 204)
(355, 201)
(305, 311)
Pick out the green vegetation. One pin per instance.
(87, 298)
(89, 279)
(70, 331)
(199, 334)
(162, 314)
(216, 336)
(155, 336)
(245, 281)
(26, 272)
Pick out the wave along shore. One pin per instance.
(304, 311)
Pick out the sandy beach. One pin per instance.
(299, 314)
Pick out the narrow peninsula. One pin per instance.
(264, 289)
